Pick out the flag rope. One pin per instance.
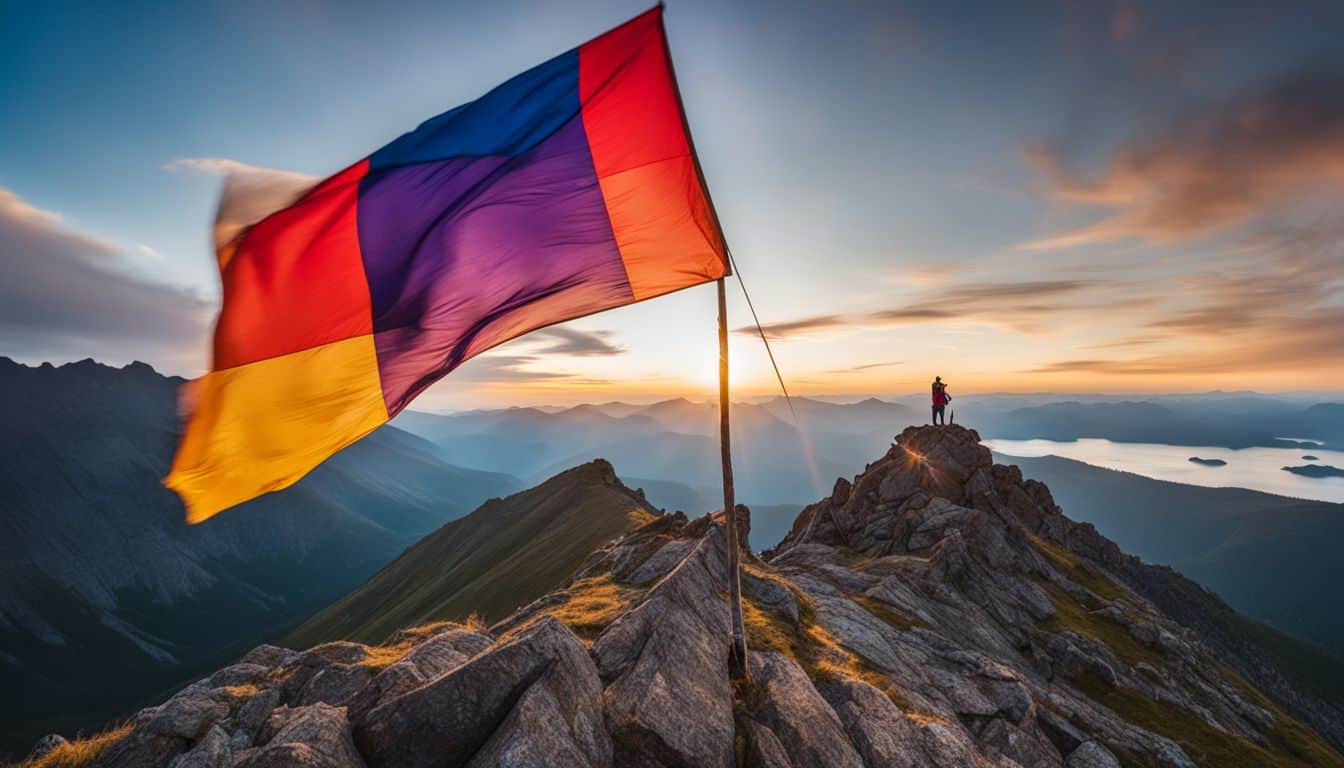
(783, 388)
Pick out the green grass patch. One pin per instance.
(1070, 614)
(499, 558)
(888, 614)
(1308, 667)
(594, 603)
(1210, 746)
(382, 656)
(1100, 584)
(1290, 735)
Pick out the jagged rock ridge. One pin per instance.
(938, 610)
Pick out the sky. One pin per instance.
(1019, 197)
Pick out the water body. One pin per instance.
(1260, 469)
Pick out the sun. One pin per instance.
(744, 369)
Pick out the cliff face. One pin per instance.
(938, 610)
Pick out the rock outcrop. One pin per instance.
(937, 610)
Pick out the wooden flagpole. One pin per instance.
(737, 665)
(738, 659)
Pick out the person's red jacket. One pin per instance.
(940, 396)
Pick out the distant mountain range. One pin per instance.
(1240, 423)
(775, 461)
(786, 457)
(106, 595)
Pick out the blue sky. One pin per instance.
(1105, 196)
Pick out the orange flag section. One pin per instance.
(260, 427)
(660, 213)
(665, 248)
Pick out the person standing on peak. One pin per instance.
(940, 400)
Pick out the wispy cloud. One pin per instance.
(1281, 307)
(865, 367)
(1217, 167)
(67, 293)
(923, 275)
(1284, 346)
(802, 326)
(570, 341)
(250, 193)
(207, 166)
(1129, 343)
(221, 166)
(1021, 306)
(501, 368)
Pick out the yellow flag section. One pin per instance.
(286, 413)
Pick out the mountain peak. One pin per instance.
(86, 367)
(139, 368)
(598, 471)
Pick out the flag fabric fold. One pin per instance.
(570, 189)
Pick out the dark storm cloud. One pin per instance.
(1217, 167)
(63, 295)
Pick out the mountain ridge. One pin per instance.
(450, 573)
(937, 609)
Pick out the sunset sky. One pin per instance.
(1065, 196)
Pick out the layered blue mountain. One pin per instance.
(106, 596)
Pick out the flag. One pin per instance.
(570, 189)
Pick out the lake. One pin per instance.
(1259, 469)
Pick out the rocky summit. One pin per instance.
(937, 610)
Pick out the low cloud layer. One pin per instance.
(66, 295)
(1221, 166)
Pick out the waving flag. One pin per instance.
(570, 189)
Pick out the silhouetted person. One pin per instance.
(940, 400)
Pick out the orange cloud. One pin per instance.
(1215, 168)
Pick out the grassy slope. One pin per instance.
(1271, 557)
(505, 554)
